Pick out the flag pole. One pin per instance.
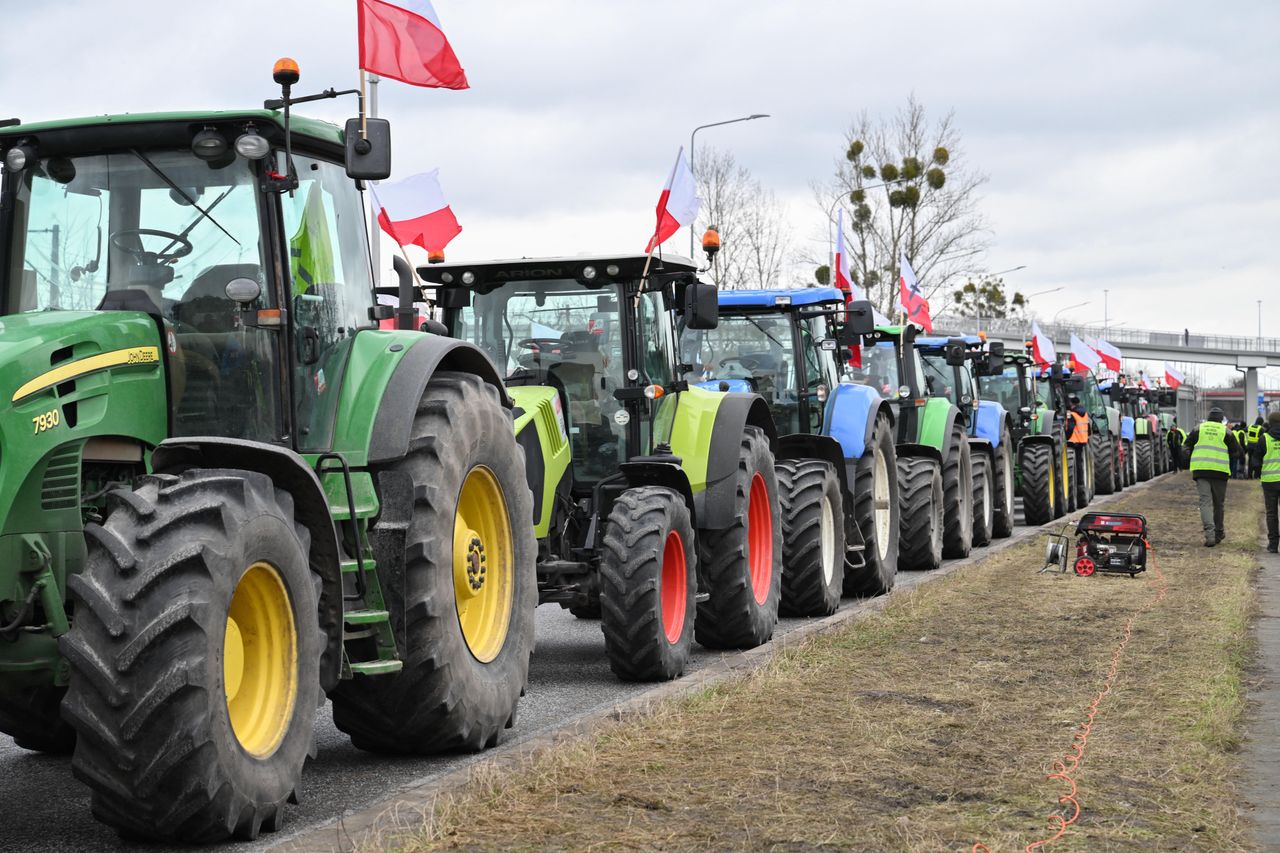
(375, 245)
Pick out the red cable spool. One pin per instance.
(1085, 567)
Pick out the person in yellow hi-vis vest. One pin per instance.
(1265, 456)
(1253, 436)
(1212, 447)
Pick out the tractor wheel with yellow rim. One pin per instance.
(469, 587)
(194, 655)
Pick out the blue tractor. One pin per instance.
(789, 346)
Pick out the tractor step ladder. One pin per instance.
(364, 610)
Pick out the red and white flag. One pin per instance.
(404, 41)
(912, 298)
(1172, 377)
(1142, 381)
(840, 271)
(678, 204)
(1042, 351)
(1083, 354)
(1108, 352)
(414, 212)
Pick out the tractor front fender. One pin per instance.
(1127, 429)
(937, 423)
(981, 445)
(290, 472)
(821, 447)
(850, 417)
(991, 419)
(653, 471)
(923, 451)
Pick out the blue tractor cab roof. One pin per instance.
(971, 340)
(782, 296)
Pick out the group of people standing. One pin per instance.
(1216, 453)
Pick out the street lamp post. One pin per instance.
(692, 168)
(1068, 308)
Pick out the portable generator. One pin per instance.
(1107, 542)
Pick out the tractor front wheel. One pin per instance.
(878, 514)
(648, 578)
(957, 488)
(1002, 523)
(813, 543)
(1145, 459)
(1039, 484)
(469, 587)
(1103, 463)
(920, 495)
(984, 488)
(195, 657)
(741, 565)
(31, 717)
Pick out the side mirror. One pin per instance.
(701, 308)
(954, 352)
(368, 157)
(860, 317)
(1073, 384)
(453, 297)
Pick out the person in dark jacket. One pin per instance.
(1264, 455)
(1211, 449)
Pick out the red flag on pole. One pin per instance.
(404, 41)
(678, 203)
(414, 212)
(912, 298)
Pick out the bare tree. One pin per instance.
(907, 192)
(752, 223)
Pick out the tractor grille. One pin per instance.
(61, 486)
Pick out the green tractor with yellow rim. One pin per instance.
(225, 494)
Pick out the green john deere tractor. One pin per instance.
(655, 504)
(225, 494)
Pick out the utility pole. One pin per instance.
(693, 168)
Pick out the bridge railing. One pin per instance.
(1116, 335)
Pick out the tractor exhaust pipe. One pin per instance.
(405, 313)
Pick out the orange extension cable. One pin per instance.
(1066, 765)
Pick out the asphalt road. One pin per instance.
(43, 807)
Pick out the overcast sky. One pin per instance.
(1129, 146)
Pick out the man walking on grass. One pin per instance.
(1212, 448)
(1265, 457)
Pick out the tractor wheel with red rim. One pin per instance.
(1085, 567)
(648, 577)
(741, 564)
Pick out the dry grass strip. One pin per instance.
(929, 726)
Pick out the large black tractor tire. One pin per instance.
(813, 542)
(648, 582)
(454, 692)
(195, 657)
(740, 566)
(1072, 479)
(984, 489)
(1104, 471)
(1084, 481)
(1006, 485)
(877, 512)
(1039, 484)
(920, 498)
(1145, 459)
(1130, 464)
(957, 498)
(1117, 464)
(31, 717)
(1066, 485)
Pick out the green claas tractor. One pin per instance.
(935, 477)
(837, 477)
(225, 494)
(655, 504)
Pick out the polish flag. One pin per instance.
(912, 298)
(414, 212)
(1108, 352)
(1042, 351)
(678, 204)
(404, 41)
(1172, 377)
(1083, 354)
(1142, 381)
(840, 274)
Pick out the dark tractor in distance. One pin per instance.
(226, 494)
(655, 504)
(839, 489)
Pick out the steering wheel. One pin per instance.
(183, 249)
(546, 345)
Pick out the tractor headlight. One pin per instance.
(611, 270)
(468, 277)
(252, 146)
(208, 144)
(17, 158)
(589, 273)
(904, 391)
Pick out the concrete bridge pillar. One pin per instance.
(1250, 394)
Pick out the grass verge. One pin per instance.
(931, 725)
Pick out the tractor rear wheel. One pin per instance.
(469, 587)
(957, 500)
(1072, 479)
(741, 565)
(195, 657)
(1039, 484)
(1131, 464)
(648, 579)
(984, 488)
(920, 498)
(1066, 481)
(877, 512)
(1103, 463)
(1002, 524)
(1145, 460)
(813, 542)
(1083, 456)
(31, 717)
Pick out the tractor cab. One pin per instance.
(888, 362)
(948, 372)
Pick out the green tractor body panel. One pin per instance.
(542, 419)
(374, 357)
(694, 412)
(935, 423)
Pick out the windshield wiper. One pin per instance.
(180, 191)
(196, 221)
(765, 332)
